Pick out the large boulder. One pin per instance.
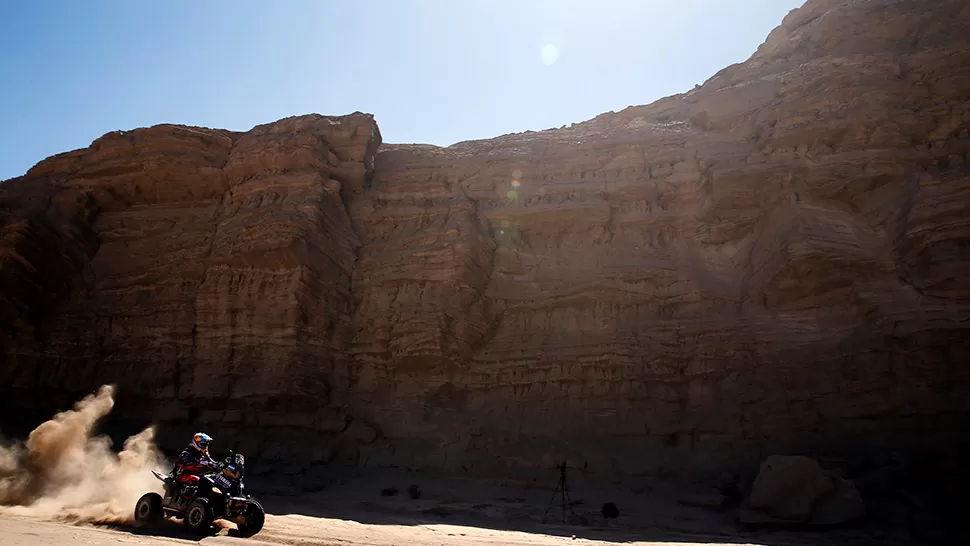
(795, 489)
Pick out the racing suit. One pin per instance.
(190, 464)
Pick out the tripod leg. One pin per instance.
(564, 508)
(565, 495)
(566, 503)
(568, 500)
(551, 499)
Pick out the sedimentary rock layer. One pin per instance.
(772, 262)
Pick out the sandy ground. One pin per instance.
(352, 511)
(289, 530)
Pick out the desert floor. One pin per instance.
(353, 511)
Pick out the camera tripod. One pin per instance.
(562, 489)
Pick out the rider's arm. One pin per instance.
(193, 465)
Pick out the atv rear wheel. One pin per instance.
(253, 519)
(198, 516)
(148, 510)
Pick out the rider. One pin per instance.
(194, 460)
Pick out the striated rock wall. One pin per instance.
(769, 262)
(220, 282)
(772, 262)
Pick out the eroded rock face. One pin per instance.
(219, 285)
(772, 262)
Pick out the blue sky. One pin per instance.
(431, 71)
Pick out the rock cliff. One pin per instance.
(772, 262)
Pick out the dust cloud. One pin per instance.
(63, 472)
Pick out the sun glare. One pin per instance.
(549, 54)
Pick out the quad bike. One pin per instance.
(218, 495)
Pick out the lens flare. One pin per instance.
(549, 54)
(516, 183)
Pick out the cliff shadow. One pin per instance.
(655, 514)
(612, 532)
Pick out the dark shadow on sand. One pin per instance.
(167, 528)
(604, 530)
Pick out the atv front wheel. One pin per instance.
(254, 518)
(198, 517)
(148, 510)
